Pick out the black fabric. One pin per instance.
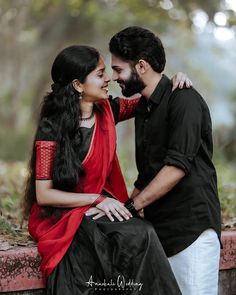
(86, 134)
(174, 128)
(106, 252)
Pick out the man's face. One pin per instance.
(126, 76)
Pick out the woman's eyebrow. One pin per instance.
(101, 69)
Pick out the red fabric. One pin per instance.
(127, 108)
(102, 172)
(45, 152)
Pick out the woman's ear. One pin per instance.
(77, 85)
(142, 66)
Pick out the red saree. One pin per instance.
(102, 172)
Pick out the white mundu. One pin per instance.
(196, 268)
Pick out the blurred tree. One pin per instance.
(32, 32)
(230, 144)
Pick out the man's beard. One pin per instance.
(134, 84)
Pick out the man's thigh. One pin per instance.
(196, 268)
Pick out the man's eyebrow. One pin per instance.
(115, 67)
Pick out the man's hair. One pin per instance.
(135, 43)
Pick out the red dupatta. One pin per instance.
(102, 172)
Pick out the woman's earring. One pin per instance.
(81, 94)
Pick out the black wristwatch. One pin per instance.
(129, 204)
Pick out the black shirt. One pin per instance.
(174, 128)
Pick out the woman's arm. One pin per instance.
(123, 108)
(46, 195)
(127, 108)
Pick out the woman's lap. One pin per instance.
(113, 253)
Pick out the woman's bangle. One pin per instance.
(98, 200)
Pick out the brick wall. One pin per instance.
(20, 274)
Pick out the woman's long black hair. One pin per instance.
(59, 121)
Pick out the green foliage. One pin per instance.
(6, 227)
(12, 178)
(226, 185)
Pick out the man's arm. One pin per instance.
(162, 183)
(134, 193)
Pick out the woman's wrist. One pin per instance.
(93, 198)
(98, 200)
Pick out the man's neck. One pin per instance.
(151, 81)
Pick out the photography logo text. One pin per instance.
(121, 283)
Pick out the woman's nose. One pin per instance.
(114, 76)
(107, 78)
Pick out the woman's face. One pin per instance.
(95, 87)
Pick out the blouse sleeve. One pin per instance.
(127, 108)
(45, 153)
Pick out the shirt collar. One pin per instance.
(156, 96)
(160, 89)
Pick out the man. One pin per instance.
(176, 183)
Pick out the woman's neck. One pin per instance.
(86, 108)
(86, 112)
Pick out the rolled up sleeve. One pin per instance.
(184, 129)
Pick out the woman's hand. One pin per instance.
(114, 207)
(180, 79)
(95, 211)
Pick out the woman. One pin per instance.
(74, 167)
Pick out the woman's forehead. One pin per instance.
(101, 65)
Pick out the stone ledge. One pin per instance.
(19, 267)
(228, 253)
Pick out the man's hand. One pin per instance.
(180, 80)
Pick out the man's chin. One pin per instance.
(126, 93)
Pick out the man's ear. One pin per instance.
(77, 85)
(142, 66)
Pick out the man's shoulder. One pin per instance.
(186, 97)
(186, 92)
